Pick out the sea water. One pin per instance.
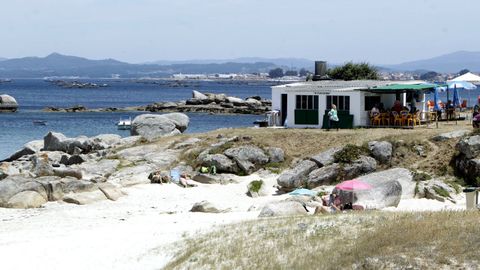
(33, 95)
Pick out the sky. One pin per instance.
(136, 31)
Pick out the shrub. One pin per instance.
(350, 153)
(421, 176)
(442, 192)
(255, 185)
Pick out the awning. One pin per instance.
(402, 88)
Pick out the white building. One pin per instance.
(305, 104)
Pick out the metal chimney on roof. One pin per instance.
(320, 71)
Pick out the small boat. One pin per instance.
(125, 122)
(39, 122)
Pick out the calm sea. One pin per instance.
(34, 94)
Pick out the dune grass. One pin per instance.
(369, 240)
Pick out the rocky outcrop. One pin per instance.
(222, 179)
(249, 158)
(55, 141)
(450, 135)
(360, 166)
(283, 208)
(467, 162)
(324, 176)
(26, 199)
(275, 154)
(154, 126)
(435, 190)
(327, 157)
(381, 151)
(206, 207)
(403, 176)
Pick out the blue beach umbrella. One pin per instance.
(435, 98)
(456, 98)
(456, 85)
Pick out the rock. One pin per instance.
(253, 102)
(468, 168)
(130, 141)
(198, 95)
(85, 197)
(236, 101)
(435, 190)
(283, 208)
(104, 141)
(97, 171)
(403, 176)
(257, 188)
(8, 103)
(72, 185)
(469, 146)
(153, 126)
(110, 191)
(381, 151)
(297, 176)
(180, 120)
(450, 135)
(54, 141)
(42, 166)
(223, 178)
(29, 148)
(384, 194)
(326, 158)
(324, 176)
(248, 157)
(221, 162)
(67, 172)
(15, 184)
(206, 207)
(358, 167)
(275, 154)
(72, 160)
(26, 199)
(53, 186)
(130, 176)
(187, 143)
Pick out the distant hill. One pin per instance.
(2, 59)
(448, 63)
(57, 64)
(295, 63)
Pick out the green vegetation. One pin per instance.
(442, 192)
(421, 176)
(350, 152)
(353, 71)
(364, 240)
(255, 185)
(275, 73)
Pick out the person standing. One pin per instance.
(333, 118)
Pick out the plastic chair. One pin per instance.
(414, 119)
(385, 119)
(396, 118)
(404, 117)
(376, 120)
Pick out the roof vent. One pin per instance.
(320, 71)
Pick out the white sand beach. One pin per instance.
(135, 232)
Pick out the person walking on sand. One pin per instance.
(333, 118)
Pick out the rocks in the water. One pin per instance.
(381, 151)
(26, 199)
(198, 95)
(324, 175)
(154, 126)
(206, 207)
(327, 157)
(297, 176)
(283, 208)
(8, 103)
(450, 135)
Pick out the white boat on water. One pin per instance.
(125, 122)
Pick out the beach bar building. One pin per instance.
(306, 104)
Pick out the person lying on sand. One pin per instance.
(185, 181)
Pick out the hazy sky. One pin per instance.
(378, 31)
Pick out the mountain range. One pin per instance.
(57, 64)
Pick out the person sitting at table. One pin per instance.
(450, 109)
(397, 106)
(375, 111)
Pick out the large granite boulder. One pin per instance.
(247, 157)
(180, 120)
(403, 176)
(154, 126)
(26, 199)
(29, 148)
(8, 103)
(275, 154)
(435, 190)
(297, 176)
(469, 146)
(55, 141)
(324, 176)
(221, 162)
(383, 194)
(223, 179)
(359, 167)
(198, 95)
(381, 151)
(283, 208)
(236, 101)
(327, 157)
(13, 185)
(85, 197)
(206, 207)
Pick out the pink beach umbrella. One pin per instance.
(352, 185)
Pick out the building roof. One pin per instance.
(394, 88)
(338, 86)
